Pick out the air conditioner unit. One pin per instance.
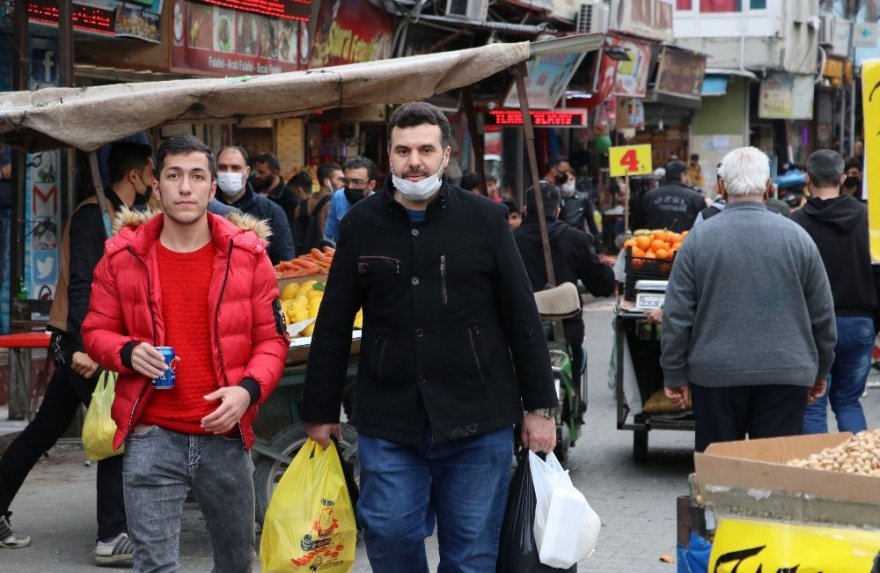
(593, 17)
(475, 10)
(826, 29)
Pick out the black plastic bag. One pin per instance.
(517, 552)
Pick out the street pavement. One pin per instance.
(636, 502)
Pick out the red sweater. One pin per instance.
(184, 279)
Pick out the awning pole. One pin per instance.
(519, 73)
(99, 191)
(477, 141)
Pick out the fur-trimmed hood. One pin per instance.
(140, 230)
(134, 218)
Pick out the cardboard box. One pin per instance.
(758, 466)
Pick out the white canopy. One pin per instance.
(87, 118)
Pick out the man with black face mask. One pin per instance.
(359, 181)
(557, 171)
(852, 185)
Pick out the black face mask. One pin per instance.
(353, 195)
(852, 181)
(561, 179)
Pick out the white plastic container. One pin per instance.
(571, 530)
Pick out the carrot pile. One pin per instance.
(315, 262)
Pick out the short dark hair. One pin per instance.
(302, 180)
(825, 167)
(469, 181)
(361, 162)
(125, 156)
(852, 161)
(238, 148)
(270, 160)
(184, 145)
(675, 169)
(512, 207)
(695, 157)
(419, 113)
(555, 161)
(549, 194)
(325, 171)
(492, 178)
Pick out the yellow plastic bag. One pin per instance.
(99, 427)
(310, 524)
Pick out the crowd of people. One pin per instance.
(453, 355)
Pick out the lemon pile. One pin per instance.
(303, 301)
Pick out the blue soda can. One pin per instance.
(167, 380)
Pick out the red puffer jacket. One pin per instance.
(126, 307)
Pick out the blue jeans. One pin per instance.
(160, 467)
(464, 481)
(846, 383)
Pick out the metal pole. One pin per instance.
(519, 73)
(20, 82)
(65, 79)
(476, 139)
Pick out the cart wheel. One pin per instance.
(268, 471)
(640, 446)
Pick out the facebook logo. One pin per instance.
(44, 67)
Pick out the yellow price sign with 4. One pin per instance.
(630, 160)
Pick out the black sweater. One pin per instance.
(839, 227)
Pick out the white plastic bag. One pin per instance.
(566, 527)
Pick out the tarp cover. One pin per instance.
(87, 118)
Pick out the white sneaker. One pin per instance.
(116, 550)
(8, 538)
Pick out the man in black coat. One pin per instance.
(573, 259)
(269, 184)
(674, 206)
(452, 353)
(235, 191)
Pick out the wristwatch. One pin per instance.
(549, 413)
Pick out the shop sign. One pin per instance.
(546, 80)
(630, 160)
(284, 9)
(680, 74)
(632, 75)
(871, 176)
(786, 96)
(540, 118)
(218, 41)
(121, 19)
(351, 32)
(865, 34)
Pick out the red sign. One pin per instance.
(350, 32)
(540, 118)
(86, 18)
(221, 42)
(290, 9)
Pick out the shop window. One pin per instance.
(715, 6)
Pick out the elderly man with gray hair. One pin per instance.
(748, 321)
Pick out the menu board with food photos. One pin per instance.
(208, 39)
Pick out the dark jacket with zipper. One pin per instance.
(281, 239)
(839, 227)
(573, 258)
(245, 327)
(451, 340)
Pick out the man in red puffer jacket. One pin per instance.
(205, 287)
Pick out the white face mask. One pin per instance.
(568, 189)
(230, 183)
(418, 190)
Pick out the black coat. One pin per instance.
(673, 206)
(452, 338)
(281, 241)
(284, 197)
